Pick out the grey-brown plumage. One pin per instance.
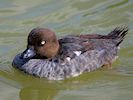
(94, 52)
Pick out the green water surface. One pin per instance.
(18, 17)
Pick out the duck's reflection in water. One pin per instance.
(33, 93)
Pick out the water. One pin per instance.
(18, 17)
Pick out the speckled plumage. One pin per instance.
(95, 51)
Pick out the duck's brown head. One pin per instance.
(42, 42)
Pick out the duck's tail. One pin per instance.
(118, 34)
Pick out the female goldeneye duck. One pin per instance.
(57, 59)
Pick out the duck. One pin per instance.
(48, 57)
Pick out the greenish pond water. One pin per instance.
(18, 17)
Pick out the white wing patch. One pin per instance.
(68, 58)
(118, 47)
(77, 53)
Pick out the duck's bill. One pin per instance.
(28, 53)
